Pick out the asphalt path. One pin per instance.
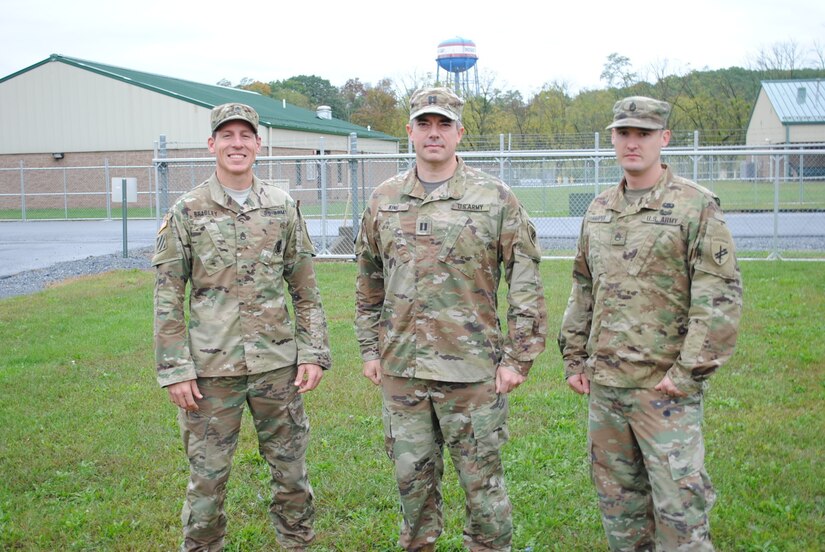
(38, 244)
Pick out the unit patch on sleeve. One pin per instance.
(160, 240)
(720, 250)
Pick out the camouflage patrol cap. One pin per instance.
(441, 101)
(640, 112)
(234, 112)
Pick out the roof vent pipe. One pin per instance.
(323, 112)
(800, 95)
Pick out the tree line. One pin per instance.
(717, 103)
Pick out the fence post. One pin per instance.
(163, 177)
(323, 184)
(65, 196)
(775, 253)
(22, 193)
(123, 209)
(106, 186)
(410, 148)
(353, 178)
(151, 204)
(696, 156)
(501, 158)
(598, 159)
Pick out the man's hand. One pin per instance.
(667, 387)
(308, 378)
(579, 383)
(507, 380)
(372, 371)
(184, 393)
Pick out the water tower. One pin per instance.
(457, 57)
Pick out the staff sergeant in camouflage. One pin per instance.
(653, 312)
(237, 241)
(432, 247)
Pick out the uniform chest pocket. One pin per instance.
(464, 246)
(272, 248)
(396, 247)
(659, 248)
(598, 250)
(211, 247)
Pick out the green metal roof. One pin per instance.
(797, 101)
(273, 113)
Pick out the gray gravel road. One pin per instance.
(31, 281)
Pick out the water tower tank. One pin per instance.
(456, 55)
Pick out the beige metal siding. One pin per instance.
(807, 133)
(764, 127)
(57, 107)
(61, 108)
(308, 141)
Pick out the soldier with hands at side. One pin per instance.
(653, 313)
(431, 250)
(242, 247)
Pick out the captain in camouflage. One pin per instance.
(653, 312)
(432, 246)
(241, 245)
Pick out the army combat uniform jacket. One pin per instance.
(236, 259)
(656, 289)
(429, 271)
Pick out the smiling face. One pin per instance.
(435, 138)
(236, 147)
(638, 150)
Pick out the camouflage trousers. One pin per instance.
(210, 436)
(647, 464)
(420, 417)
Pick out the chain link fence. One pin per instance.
(774, 198)
(80, 193)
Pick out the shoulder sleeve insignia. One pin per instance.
(720, 250)
(164, 224)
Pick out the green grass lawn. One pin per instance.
(90, 457)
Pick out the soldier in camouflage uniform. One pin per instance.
(654, 311)
(235, 240)
(431, 249)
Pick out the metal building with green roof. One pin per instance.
(788, 112)
(77, 107)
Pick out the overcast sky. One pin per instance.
(523, 44)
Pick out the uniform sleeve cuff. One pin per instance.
(177, 377)
(322, 360)
(572, 371)
(370, 354)
(683, 381)
(521, 367)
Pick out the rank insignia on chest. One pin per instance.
(424, 226)
(619, 237)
